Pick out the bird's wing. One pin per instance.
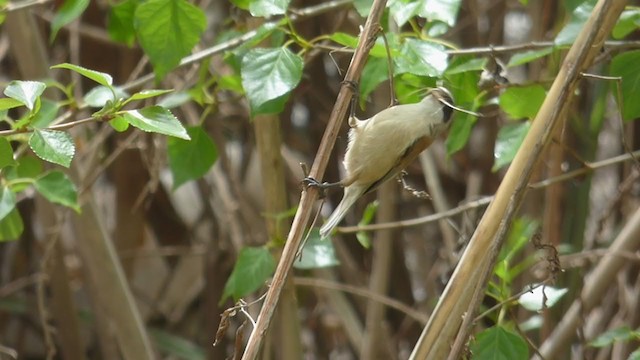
(410, 154)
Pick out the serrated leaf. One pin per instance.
(6, 153)
(512, 101)
(97, 76)
(156, 119)
(441, 10)
(421, 58)
(7, 202)
(98, 96)
(534, 300)
(190, 160)
(11, 226)
(268, 74)
(509, 139)
(610, 337)
(167, 31)
(266, 8)
(119, 124)
(497, 343)
(26, 92)
(528, 56)
(53, 146)
(56, 187)
(69, 11)
(253, 267)
(625, 65)
(120, 22)
(317, 253)
(9, 103)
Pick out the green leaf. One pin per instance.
(625, 65)
(441, 10)
(610, 337)
(190, 160)
(6, 153)
(53, 146)
(9, 103)
(69, 11)
(120, 22)
(374, 73)
(628, 22)
(634, 355)
(268, 74)
(363, 7)
(403, 11)
(99, 96)
(253, 267)
(522, 102)
(26, 92)
(156, 119)
(146, 94)
(28, 167)
(46, 115)
(167, 31)
(534, 300)
(177, 347)
(473, 64)
(7, 202)
(459, 133)
(529, 56)
(11, 226)
(119, 124)
(56, 187)
(175, 99)
(421, 58)
(317, 253)
(367, 218)
(242, 4)
(266, 8)
(509, 139)
(570, 32)
(97, 76)
(498, 343)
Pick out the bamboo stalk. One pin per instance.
(457, 300)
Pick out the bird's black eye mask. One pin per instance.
(444, 96)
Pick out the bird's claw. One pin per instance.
(312, 182)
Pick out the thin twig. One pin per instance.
(21, 5)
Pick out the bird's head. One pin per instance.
(446, 99)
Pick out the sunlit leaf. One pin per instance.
(510, 138)
(9, 103)
(422, 58)
(26, 92)
(268, 74)
(266, 8)
(534, 300)
(56, 187)
(119, 123)
(167, 31)
(69, 11)
(100, 95)
(498, 343)
(442, 10)
(53, 146)
(190, 160)
(156, 119)
(146, 94)
(317, 253)
(253, 267)
(7, 201)
(97, 76)
(625, 65)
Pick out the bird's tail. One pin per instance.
(351, 194)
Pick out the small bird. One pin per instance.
(383, 145)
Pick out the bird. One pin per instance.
(380, 147)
